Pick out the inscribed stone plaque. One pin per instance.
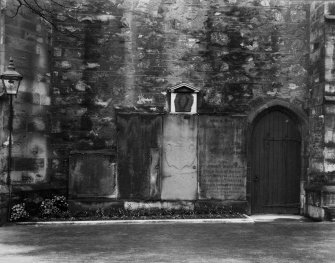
(222, 158)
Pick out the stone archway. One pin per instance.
(277, 167)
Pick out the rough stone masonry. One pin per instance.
(93, 117)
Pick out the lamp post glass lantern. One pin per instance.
(11, 81)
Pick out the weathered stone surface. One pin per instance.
(92, 174)
(128, 53)
(179, 158)
(26, 40)
(222, 163)
(139, 162)
(124, 54)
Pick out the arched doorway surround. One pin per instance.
(277, 162)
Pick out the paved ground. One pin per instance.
(278, 241)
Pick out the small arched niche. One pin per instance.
(183, 98)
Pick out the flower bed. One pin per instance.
(56, 208)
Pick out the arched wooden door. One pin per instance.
(275, 163)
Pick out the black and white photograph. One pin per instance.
(167, 131)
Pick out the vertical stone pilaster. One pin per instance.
(321, 177)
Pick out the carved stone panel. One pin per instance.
(179, 164)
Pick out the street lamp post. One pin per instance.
(11, 81)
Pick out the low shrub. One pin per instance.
(19, 213)
(55, 207)
(100, 212)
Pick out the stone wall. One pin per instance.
(124, 54)
(25, 38)
(329, 95)
(321, 176)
